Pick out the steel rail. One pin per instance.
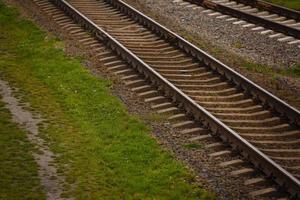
(259, 159)
(258, 93)
(248, 17)
(283, 11)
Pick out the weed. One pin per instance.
(258, 68)
(238, 45)
(293, 70)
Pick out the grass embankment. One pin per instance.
(103, 152)
(18, 170)
(292, 4)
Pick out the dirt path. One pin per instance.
(50, 180)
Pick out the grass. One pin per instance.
(238, 45)
(18, 170)
(103, 152)
(293, 70)
(293, 4)
(258, 68)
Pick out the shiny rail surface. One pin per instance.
(263, 128)
(258, 12)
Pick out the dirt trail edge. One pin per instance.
(50, 180)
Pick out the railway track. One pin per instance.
(203, 98)
(277, 22)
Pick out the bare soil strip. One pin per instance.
(51, 181)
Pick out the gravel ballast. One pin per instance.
(226, 35)
(231, 44)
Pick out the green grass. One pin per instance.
(238, 45)
(18, 169)
(292, 71)
(258, 68)
(103, 152)
(293, 4)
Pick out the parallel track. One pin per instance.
(263, 128)
(279, 19)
